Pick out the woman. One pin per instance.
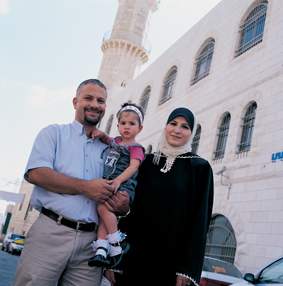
(171, 212)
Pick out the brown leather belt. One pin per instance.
(77, 225)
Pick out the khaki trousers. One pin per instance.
(56, 255)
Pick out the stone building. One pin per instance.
(23, 214)
(228, 68)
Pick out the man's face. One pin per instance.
(90, 104)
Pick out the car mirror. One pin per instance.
(249, 277)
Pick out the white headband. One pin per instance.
(132, 108)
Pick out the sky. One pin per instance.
(47, 48)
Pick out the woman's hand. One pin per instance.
(182, 280)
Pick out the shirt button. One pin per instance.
(86, 170)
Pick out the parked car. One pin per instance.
(216, 272)
(13, 243)
(268, 275)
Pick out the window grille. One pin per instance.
(247, 128)
(109, 124)
(196, 140)
(251, 32)
(203, 61)
(168, 85)
(223, 131)
(221, 241)
(145, 98)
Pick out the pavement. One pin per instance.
(8, 265)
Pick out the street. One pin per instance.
(8, 265)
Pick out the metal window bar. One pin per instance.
(145, 98)
(252, 29)
(109, 124)
(168, 85)
(247, 128)
(196, 139)
(203, 62)
(222, 137)
(221, 240)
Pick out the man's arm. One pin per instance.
(99, 190)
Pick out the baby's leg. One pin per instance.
(108, 220)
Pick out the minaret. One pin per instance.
(124, 51)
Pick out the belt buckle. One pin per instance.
(59, 219)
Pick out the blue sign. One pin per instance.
(277, 156)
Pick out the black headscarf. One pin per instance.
(184, 112)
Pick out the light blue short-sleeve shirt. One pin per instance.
(67, 150)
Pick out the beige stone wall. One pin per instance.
(123, 51)
(23, 215)
(254, 205)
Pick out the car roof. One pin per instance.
(215, 265)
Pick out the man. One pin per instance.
(66, 167)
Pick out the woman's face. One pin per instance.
(178, 132)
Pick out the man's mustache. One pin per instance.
(93, 109)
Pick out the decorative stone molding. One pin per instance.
(127, 46)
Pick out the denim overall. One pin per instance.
(116, 161)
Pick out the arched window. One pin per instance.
(148, 149)
(168, 84)
(221, 241)
(196, 139)
(203, 61)
(145, 98)
(222, 135)
(109, 124)
(247, 128)
(251, 31)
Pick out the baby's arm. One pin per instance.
(96, 133)
(127, 174)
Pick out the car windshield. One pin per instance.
(272, 273)
(222, 267)
(17, 236)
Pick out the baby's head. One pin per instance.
(130, 118)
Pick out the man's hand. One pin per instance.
(110, 275)
(99, 190)
(119, 203)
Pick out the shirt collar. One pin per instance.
(78, 127)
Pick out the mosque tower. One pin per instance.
(124, 51)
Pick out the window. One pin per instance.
(247, 128)
(109, 124)
(222, 135)
(221, 241)
(196, 139)
(168, 85)
(251, 31)
(145, 98)
(203, 61)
